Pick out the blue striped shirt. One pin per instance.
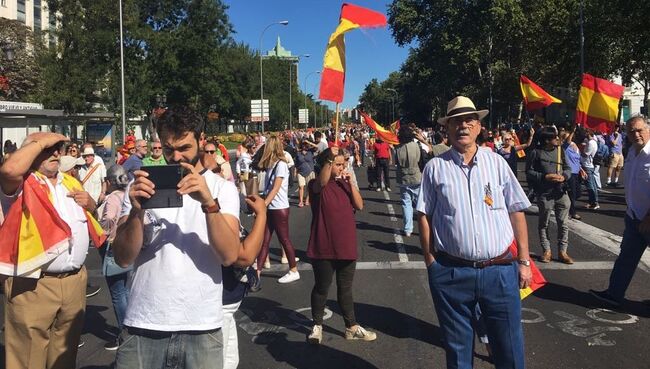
(468, 207)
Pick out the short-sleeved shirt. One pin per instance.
(618, 148)
(333, 226)
(305, 163)
(382, 150)
(149, 161)
(468, 207)
(93, 184)
(132, 164)
(278, 170)
(587, 159)
(176, 282)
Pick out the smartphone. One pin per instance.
(165, 178)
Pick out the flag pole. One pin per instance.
(336, 125)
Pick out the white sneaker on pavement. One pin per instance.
(359, 333)
(316, 335)
(291, 276)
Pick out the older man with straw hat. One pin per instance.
(470, 213)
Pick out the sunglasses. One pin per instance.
(210, 151)
(157, 147)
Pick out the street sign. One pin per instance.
(256, 110)
(303, 116)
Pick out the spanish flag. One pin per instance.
(598, 103)
(538, 279)
(383, 133)
(535, 97)
(33, 233)
(333, 77)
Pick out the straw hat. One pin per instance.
(461, 105)
(88, 151)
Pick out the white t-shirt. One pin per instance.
(289, 159)
(176, 283)
(93, 184)
(587, 158)
(281, 199)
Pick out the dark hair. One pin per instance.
(546, 134)
(178, 121)
(318, 135)
(438, 137)
(482, 137)
(405, 134)
(323, 157)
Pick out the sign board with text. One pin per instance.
(256, 110)
(303, 116)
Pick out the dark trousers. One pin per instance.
(633, 246)
(323, 272)
(382, 165)
(574, 192)
(277, 220)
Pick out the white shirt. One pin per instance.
(637, 182)
(243, 164)
(281, 199)
(176, 283)
(93, 184)
(73, 215)
(289, 159)
(587, 158)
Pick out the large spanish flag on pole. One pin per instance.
(333, 76)
(598, 103)
(383, 133)
(535, 97)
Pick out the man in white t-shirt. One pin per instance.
(175, 297)
(93, 176)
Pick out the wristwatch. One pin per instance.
(525, 262)
(212, 209)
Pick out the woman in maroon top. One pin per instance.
(333, 242)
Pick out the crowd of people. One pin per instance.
(461, 181)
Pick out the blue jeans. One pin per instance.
(159, 350)
(409, 196)
(119, 295)
(457, 290)
(592, 188)
(633, 246)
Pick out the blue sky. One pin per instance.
(371, 53)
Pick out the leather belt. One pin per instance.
(503, 259)
(148, 333)
(61, 274)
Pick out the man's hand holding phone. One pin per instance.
(141, 188)
(194, 184)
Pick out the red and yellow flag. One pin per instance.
(33, 233)
(333, 76)
(383, 133)
(535, 97)
(538, 279)
(598, 103)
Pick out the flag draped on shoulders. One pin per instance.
(535, 97)
(333, 76)
(383, 133)
(33, 233)
(598, 103)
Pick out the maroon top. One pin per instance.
(333, 227)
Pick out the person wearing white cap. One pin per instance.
(93, 176)
(471, 209)
(70, 165)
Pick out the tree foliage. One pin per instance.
(19, 77)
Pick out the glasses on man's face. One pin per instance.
(507, 139)
(470, 120)
(210, 151)
(157, 148)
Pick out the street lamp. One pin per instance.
(284, 23)
(290, 81)
(393, 101)
(305, 92)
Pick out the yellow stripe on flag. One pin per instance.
(30, 242)
(524, 292)
(598, 105)
(335, 54)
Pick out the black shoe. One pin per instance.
(111, 345)
(605, 297)
(254, 283)
(92, 290)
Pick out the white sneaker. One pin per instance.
(267, 264)
(378, 189)
(316, 335)
(360, 334)
(289, 277)
(286, 261)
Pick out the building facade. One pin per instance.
(33, 13)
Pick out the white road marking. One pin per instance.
(399, 241)
(599, 237)
(419, 265)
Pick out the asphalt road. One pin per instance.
(563, 325)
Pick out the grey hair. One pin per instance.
(116, 174)
(636, 118)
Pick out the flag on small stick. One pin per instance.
(598, 103)
(535, 97)
(332, 80)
